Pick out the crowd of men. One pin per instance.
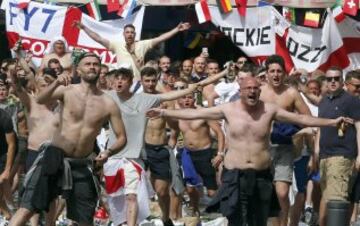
(85, 135)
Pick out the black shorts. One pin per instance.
(21, 150)
(202, 162)
(246, 197)
(158, 161)
(30, 158)
(81, 201)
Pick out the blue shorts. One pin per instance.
(315, 176)
(301, 174)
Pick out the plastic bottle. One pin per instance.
(101, 217)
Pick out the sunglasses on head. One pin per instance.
(335, 78)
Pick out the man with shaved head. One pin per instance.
(247, 191)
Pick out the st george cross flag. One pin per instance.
(49, 21)
(23, 4)
(202, 11)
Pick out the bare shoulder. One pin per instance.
(292, 92)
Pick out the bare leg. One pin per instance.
(354, 211)
(194, 198)
(21, 216)
(175, 205)
(3, 206)
(282, 191)
(162, 190)
(296, 209)
(132, 209)
(50, 217)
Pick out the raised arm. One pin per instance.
(202, 113)
(93, 35)
(212, 79)
(55, 91)
(173, 95)
(169, 34)
(20, 90)
(306, 120)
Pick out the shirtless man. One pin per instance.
(58, 49)
(247, 163)
(159, 156)
(133, 108)
(288, 98)
(85, 110)
(42, 121)
(198, 147)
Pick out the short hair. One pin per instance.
(212, 61)
(148, 71)
(352, 74)
(130, 26)
(88, 54)
(50, 71)
(173, 71)
(247, 68)
(53, 61)
(275, 59)
(336, 68)
(315, 81)
(124, 72)
(259, 70)
(104, 66)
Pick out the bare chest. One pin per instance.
(191, 125)
(284, 99)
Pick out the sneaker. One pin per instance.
(308, 215)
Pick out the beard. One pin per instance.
(91, 78)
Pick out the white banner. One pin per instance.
(40, 23)
(253, 34)
(317, 48)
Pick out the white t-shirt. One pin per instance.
(226, 91)
(133, 114)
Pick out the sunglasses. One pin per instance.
(179, 87)
(335, 78)
(357, 86)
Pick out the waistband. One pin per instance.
(258, 173)
(198, 152)
(155, 146)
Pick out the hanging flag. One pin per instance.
(192, 40)
(202, 11)
(241, 6)
(113, 6)
(93, 9)
(338, 14)
(289, 14)
(23, 4)
(126, 8)
(351, 7)
(312, 19)
(224, 6)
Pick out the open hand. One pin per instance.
(102, 158)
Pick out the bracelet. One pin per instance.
(221, 153)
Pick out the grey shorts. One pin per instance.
(282, 157)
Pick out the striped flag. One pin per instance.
(93, 9)
(202, 11)
(126, 8)
(23, 4)
(312, 19)
(224, 6)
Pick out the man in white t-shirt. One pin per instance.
(128, 51)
